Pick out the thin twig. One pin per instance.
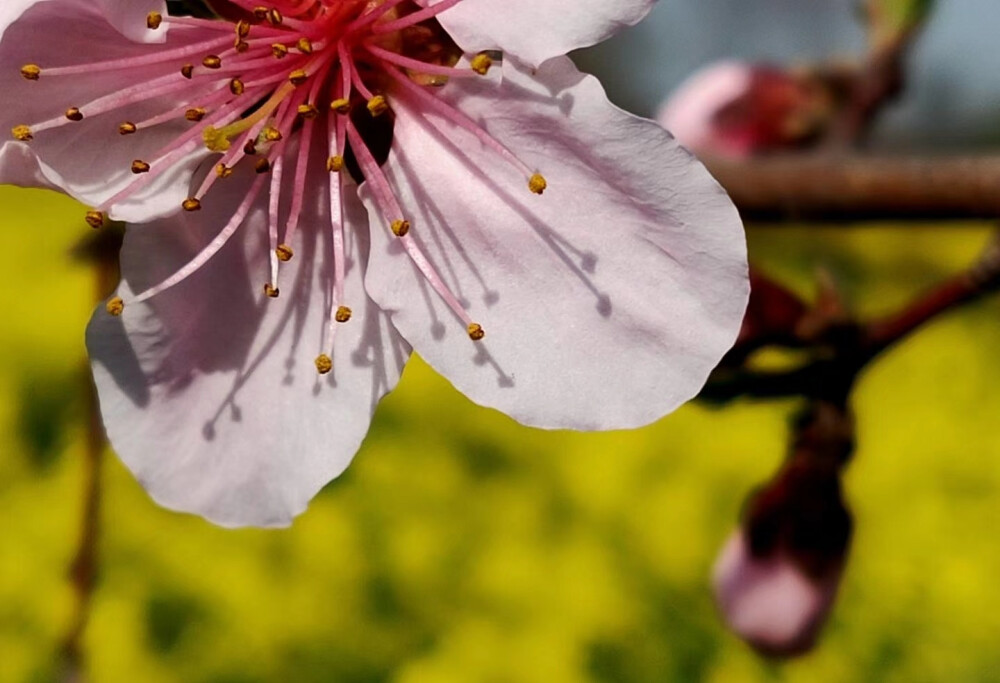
(970, 285)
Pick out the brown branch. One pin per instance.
(100, 249)
(83, 570)
(844, 349)
(982, 279)
(847, 188)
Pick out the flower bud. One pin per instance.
(732, 109)
(776, 579)
(769, 601)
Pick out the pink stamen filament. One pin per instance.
(163, 159)
(417, 65)
(205, 255)
(415, 18)
(205, 101)
(369, 18)
(144, 60)
(337, 136)
(391, 211)
(302, 163)
(459, 119)
(285, 115)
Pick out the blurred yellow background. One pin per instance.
(461, 547)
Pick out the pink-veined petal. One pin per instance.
(89, 159)
(209, 390)
(536, 30)
(606, 301)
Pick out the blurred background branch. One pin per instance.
(99, 250)
(852, 188)
(893, 27)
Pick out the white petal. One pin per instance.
(606, 301)
(128, 16)
(89, 160)
(536, 30)
(209, 391)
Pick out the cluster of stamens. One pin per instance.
(280, 71)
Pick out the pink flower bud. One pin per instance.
(769, 601)
(777, 577)
(736, 110)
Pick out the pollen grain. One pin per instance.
(476, 332)
(537, 183)
(115, 306)
(324, 364)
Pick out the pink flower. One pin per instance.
(602, 303)
(736, 109)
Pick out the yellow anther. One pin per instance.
(127, 128)
(271, 134)
(242, 28)
(153, 20)
(140, 166)
(335, 163)
(341, 106)
(271, 291)
(223, 171)
(236, 86)
(278, 50)
(191, 204)
(343, 314)
(308, 111)
(284, 253)
(74, 114)
(212, 62)
(378, 105)
(260, 13)
(195, 114)
(400, 228)
(476, 331)
(95, 219)
(274, 17)
(305, 45)
(31, 72)
(22, 133)
(241, 46)
(481, 63)
(537, 183)
(115, 306)
(324, 364)
(187, 70)
(298, 77)
(262, 165)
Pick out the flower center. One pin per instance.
(269, 76)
